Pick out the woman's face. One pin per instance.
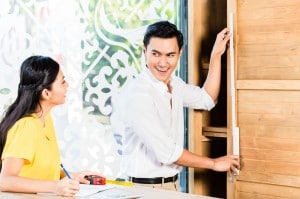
(57, 94)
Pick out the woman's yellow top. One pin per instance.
(36, 143)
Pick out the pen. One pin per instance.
(65, 171)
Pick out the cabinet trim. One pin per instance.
(268, 84)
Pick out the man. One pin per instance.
(148, 113)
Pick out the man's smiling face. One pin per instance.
(162, 55)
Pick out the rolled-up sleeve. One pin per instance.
(196, 97)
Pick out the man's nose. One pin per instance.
(163, 61)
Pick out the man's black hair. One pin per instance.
(163, 29)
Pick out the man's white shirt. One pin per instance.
(150, 122)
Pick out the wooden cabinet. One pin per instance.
(267, 86)
(208, 130)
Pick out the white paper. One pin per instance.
(87, 190)
(115, 193)
(107, 191)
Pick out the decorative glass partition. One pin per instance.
(98, 44)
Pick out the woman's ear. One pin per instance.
(45, 94)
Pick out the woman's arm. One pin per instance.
(11, 182)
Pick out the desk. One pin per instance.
(146, 192)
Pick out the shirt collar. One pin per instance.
(155, 82)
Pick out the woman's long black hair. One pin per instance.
(37, 73)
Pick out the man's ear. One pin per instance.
(144, 50)
(180, 52)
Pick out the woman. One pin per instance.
(28, 146)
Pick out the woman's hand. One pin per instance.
(67, 187)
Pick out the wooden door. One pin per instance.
(267, 63)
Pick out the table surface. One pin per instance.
(144, 192)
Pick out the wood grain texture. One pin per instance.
(268, 93)
(258, 190)
(268, 45)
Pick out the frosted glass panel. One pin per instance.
(98, 44)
